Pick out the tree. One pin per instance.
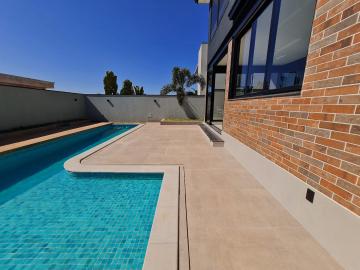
(139, 90)
(110, 83)
(127, 89)
(182, 80)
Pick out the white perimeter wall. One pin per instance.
(143, 108)
(22, 107)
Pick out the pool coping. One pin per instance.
(162, 250)
(42, 139)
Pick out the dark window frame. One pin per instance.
(270, 55)
(219, 16)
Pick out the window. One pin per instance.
(217, 11)
(291, 45)
(214, 16)
(257, 67)
(270, 56)
(242, 65)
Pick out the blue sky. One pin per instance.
(73, 42)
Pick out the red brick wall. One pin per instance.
(315, 136)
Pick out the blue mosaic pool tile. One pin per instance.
(85, 221)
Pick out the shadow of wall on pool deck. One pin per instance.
(143, 108)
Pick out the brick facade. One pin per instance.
(314, 136)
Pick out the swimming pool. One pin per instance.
(52, 219)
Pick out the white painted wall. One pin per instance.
(202, 66)
(22, 107)
(143, 108)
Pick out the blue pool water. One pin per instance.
(52, 219)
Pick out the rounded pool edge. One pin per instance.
(163, 245)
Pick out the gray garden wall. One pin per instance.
(22, 107)
(143, 108)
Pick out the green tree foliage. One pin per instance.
(139, 90)
(110, 83)
(182, 80)
(127, 89)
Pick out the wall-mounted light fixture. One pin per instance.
(109, 101)
(157, 103)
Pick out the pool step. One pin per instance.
(214, 138)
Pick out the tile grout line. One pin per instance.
(186, 217)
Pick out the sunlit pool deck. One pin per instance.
(211, 213)
(227, 220)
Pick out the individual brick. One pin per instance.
(339, 109)
(342, 90)
(321, 116)
(335, 126)
(350, 99)
(330, 143)
(325, 100)
(333, 82)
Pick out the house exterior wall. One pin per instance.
(314, 136)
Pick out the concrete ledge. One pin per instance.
(332, 225)
(27, 143)
(179, 123)
(162, 251)
(214, 138)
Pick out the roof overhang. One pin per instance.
(239, 8)
(11, 80)
(202, 1)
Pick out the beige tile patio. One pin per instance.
(233, 222)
